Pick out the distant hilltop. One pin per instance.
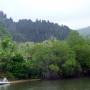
(27, 30)
(85, 31)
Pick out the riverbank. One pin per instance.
(22, 81)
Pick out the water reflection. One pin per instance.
(4, 87)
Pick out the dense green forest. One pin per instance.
(50, 59)
(27, 30)
(41, 49)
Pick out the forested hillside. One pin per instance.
(85, 31)
(27, 30)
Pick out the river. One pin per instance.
(69, 84)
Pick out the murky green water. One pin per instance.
(74, 84)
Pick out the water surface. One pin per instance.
(72, 84)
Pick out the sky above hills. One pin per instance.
(73, 13)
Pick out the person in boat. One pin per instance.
(5, 79)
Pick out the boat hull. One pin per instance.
(2, 83)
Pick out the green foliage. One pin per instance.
(50, 59)
(3, 31)
(81, 46)
(75, 39)
(83, 57)
(50, 56)
(71, 68)
(54, 68)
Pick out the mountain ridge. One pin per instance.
(27, 30)
(85, 31)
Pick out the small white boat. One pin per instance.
(4, 81)
(1, 82)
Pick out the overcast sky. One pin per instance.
(74, 13)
